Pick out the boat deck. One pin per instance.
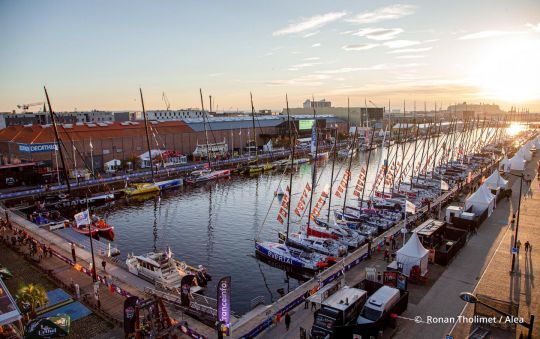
(83, 241)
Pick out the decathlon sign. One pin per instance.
(37, 148)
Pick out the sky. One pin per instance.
(96, 54)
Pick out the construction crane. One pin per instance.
(166, 101)
(25, 107)
(372, 103)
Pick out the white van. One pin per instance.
(378, 304)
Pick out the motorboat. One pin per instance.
(293, 257)
(141, 188)
(321, 245)
(161, 269)
(345, 153)
(104, 229)
(88, 230)
(167, 184)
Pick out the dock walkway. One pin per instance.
(111, 303)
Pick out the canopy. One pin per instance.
(525, 153)
(517, 163)
(481, 200)
(504, 164)
(412, 254)
(496, 181)
(9, 312)
(48, 327)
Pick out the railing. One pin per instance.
(257, 301)
(199, 303)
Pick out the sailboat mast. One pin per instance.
(314, 168)
(353, 143)
(293, 147)
(205, 130)
(147, 137)
(367, 164)
(58, 142)
(332, 176)
(254, 131)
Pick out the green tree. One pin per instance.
(33, 295)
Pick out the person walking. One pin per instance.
(527, 246)
(104, 265)
(287, 321)
(73, 253)
(394, 243)
(518, 245)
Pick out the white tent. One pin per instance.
(412, 254)
(481, 200)
(517, 163)
(496, 181)
(525, 153)
(504, 164)
(113, 165)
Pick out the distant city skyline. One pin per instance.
(96, 55)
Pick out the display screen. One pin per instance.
(306, 124)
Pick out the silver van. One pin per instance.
(378, 304)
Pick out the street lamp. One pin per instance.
(514, 247)
(471, 298)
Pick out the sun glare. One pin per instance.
(509, 70)
(514, 129)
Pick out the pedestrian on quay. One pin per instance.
(73, 253)
(104, 264)
(394, 245)
(518, 245)
(287, 321)
(313, 305)
(527, 246)
(386, 255)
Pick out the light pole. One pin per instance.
(517, 222)
(471, 298)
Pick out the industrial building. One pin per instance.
(84, 143)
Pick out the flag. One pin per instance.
(280, 219)
(283, 212)
(308, 187)
(409, 207)
(297, 212)
(82, 218)
(444, 185)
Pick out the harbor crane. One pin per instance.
(25, 107)
(166, 101)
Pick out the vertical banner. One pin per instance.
(224, 303)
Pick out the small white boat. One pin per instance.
(162, 270)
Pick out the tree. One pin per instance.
(32, 296)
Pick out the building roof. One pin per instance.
(34, 134)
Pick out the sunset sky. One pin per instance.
(96, 54)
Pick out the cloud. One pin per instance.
(359, 47)
(353, 69)
(401, 43)
(304, 65)
(312, 59)
(316, 45)
(306, 80)
(534, 27)
(213, 75)
(310, 34)
(383, 13)
(379, 33)
(484, 34)
(411, 56)
(311, 23)
(410, 50)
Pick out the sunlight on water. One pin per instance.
(514, 129)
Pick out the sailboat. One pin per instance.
(257, 167)
(148, 187)
(207, 173)
(283, 253)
